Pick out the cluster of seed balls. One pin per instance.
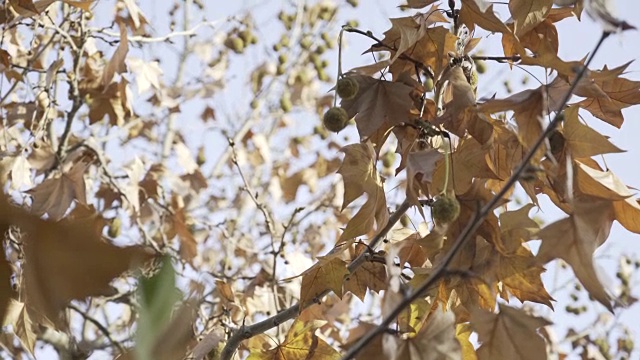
(445, 209)
(336, 118)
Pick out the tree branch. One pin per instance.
(441, 268)
(247, 331)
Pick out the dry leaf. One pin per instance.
(301, 342)
(327, 274)
(575, 239)
(54, 195)
(116, 65)
(511, 334)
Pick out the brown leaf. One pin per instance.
(54, 195)
(361, 176)
(431, 50)
(462, 96)
(24, 7)
(417, 4)
(510, 334)
(521, 278)
(527, 14)
(575, 239)
(479, 12)
(116, 65)
(378, 106)
(621, 93)
(373, 350)
(602, 184)
(470, 160)
(371, 276)
(582, 140)
(327, 274)
(420, 167)
(627, 212)
(66, 260)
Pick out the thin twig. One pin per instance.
(146, 39)
(99, 326)
(441, 268)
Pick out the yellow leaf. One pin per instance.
(301, 342)
(463, 332)
(327, 274)
(370, 275)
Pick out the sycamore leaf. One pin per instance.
(627, 212)
(481, 13)
(511, 334)
(404, 32)
(583, 140)
(575, 239)
(370, 275)
(621, 93)
(420, 167)
(463, 333)
(116, 65)
(378, 106)
(413, 317)
(470, 160)
(516, 226)
(527, 14)
(602, 184)
(462, 96)
(66, 260)
(417, 4)
(18, 317)
(326, 274)
(521, 278)
(435, 341)
(301, 342)
(54, 195)
(361, 176)
(528, 106)
(24, 7)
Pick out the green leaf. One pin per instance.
(158, 297)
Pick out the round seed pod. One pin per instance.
(445, 209)
(347, 88)
(335, 119)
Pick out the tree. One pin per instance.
(173, 188)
